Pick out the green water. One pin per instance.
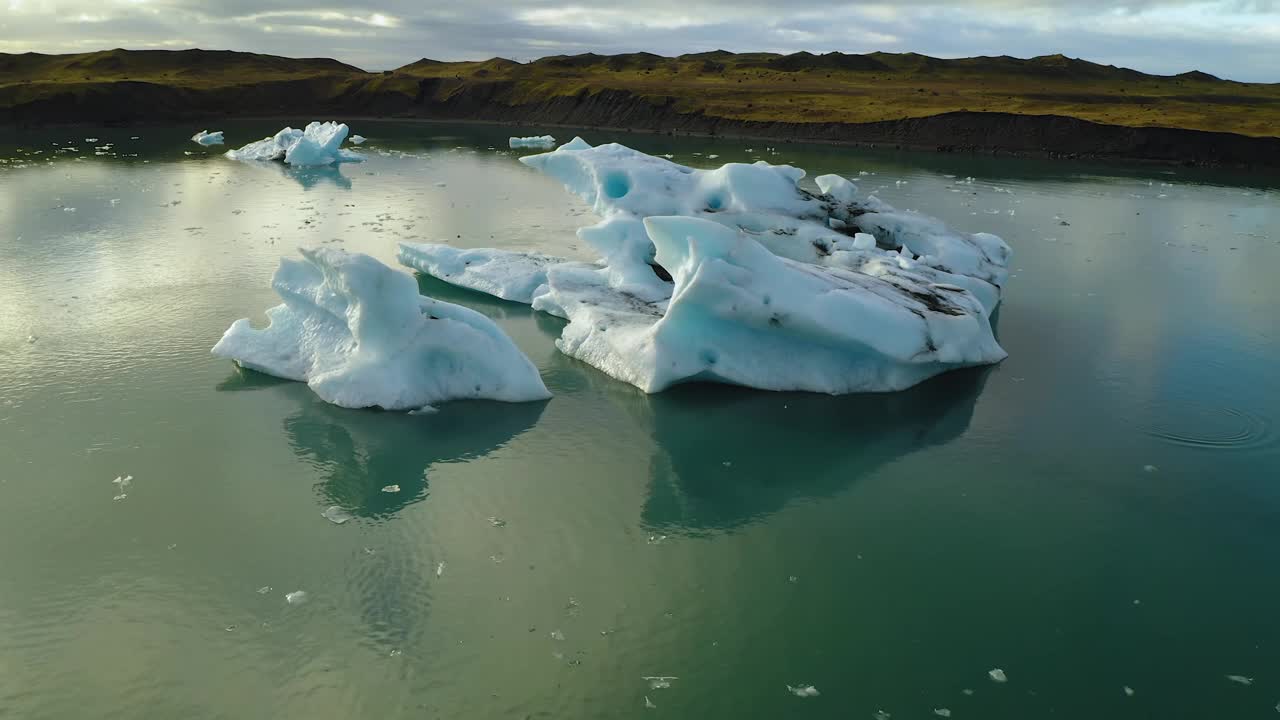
(541, 560)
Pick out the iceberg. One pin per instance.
(359, 334)
(739, 275)
(205, 137)
(317, 144)
(541, 142)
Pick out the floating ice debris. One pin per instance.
(750, 277)
(31, 339)
(230, 628)
(425, 410)
(207, 138)
(395, 653)
(659, 682)
(967, 691)
(123, 481)
(356, 139)
(545, 141)
(440, 570)
(497, 522)
(942, 712)
(391, 488)
(317, 144)
(264, 589)
(1128, 691)
(881, 715)
(802, 690)
(793, 579)
(998, 675)
(336, 515)
(68, 209)
(120, 497)
(359, 334)
(91, 140)
(1149, 468)
(649, 703)
(1240, 679)
(297, 597)
(557, 635)
(656, 539)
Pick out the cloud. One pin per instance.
(1234, 38)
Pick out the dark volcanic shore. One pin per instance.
(193, 86)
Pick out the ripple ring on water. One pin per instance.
(1209, 426)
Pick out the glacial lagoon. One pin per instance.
(1094, 517)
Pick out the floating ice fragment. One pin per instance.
(391, 488)
(497, 522)
(881, 715)
(543, 141)
(359, 334)
(1240, 679)
(317, 144)
(1149, 468)
(659, 682)
(395, 653)
(297, 597)
(439, 569)
(967, 691)
(942, 712)
(557, 635)
(336, 515)
(68, 209)
(649, 703)
(793, 579)
(264, 589)
(356, 139)
(207, 138)
(1128, 691)
(998, 675)
(425, 410)
(31, 339)
(802, 690)
(120, 497)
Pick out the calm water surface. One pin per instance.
(1099, 512)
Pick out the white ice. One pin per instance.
(356, 139)
(207, 138)
(738, 275)
(508, 275)
(317, 144)
(359, 334)
(544, 141)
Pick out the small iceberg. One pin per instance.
(542, 142)
(316, 144)
(356, 139)
(739, 275)
(207, 138)
(359, 334)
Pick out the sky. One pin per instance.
(1237, 39)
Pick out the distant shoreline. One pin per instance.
(1049, 107)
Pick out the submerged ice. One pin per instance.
(740, 275)
(359, 334)
(316, 144)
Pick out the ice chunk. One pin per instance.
(207, 138)
(1241, 679)
(356, 139)
(316, 144)
(804, 691)
(297, 597)
(766, 202)
(501, 273)
(544, 141)
(998, 675)
(359, 334)
(739, 314)
(391, 488)
(942, 712)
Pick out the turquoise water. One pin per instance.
(1098, 512)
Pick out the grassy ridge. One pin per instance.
(762, 87)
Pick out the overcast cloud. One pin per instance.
(1239, 39)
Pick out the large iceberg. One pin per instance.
(541, 142)
(359, 334)
(316, 144)
(205, 137)
(739, 275)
